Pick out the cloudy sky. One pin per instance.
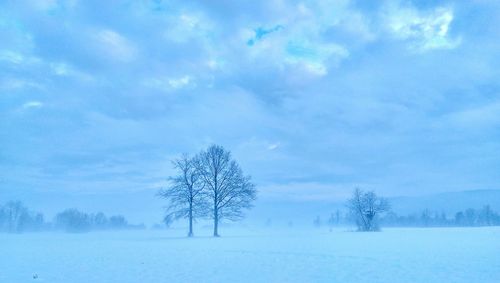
(313, 98)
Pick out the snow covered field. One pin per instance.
(288, 255)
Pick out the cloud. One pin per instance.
(65, 70)
(260, 32)
(273, 146)
(187, 26)
(314, 57)
(17, 58)
(170, 84)
(32, 104)
(11, 84)
(179, 82)
(11, 57)
(424, 31)
(298, 40)
(116, 45)
(322, 97)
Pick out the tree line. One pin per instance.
(469, 217)
(15, 217)
(368, 211)
(208, 185)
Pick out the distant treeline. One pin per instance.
(470, 217)
(16, 218)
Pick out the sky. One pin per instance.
(313, 98)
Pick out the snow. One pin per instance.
(255, 255)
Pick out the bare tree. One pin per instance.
(227, 188)
(331, 220)
(15, 213)
(185, 193)
(365, 206)
(334, 218)
(486, 215)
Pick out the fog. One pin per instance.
(249, 141)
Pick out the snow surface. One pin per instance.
(250, 255)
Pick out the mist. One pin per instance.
(262, 141)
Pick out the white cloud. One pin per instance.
(16, 84)
(179, 82)
(66, 70)
(170, 84)
(273, 146)
(61, 69)
(298, 38)
(186, 26)
(314, 57)
(424, 30)
(17, 58)
(11, 57)
(32, 104)
(214, 64)
(116, 45)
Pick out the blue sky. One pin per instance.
(313, 98)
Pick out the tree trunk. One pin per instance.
(216, 209)
(216, 223)
(190, 234)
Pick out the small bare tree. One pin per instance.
(228, 189)
(185, 193)
(364, 207)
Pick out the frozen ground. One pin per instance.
(316, 255)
